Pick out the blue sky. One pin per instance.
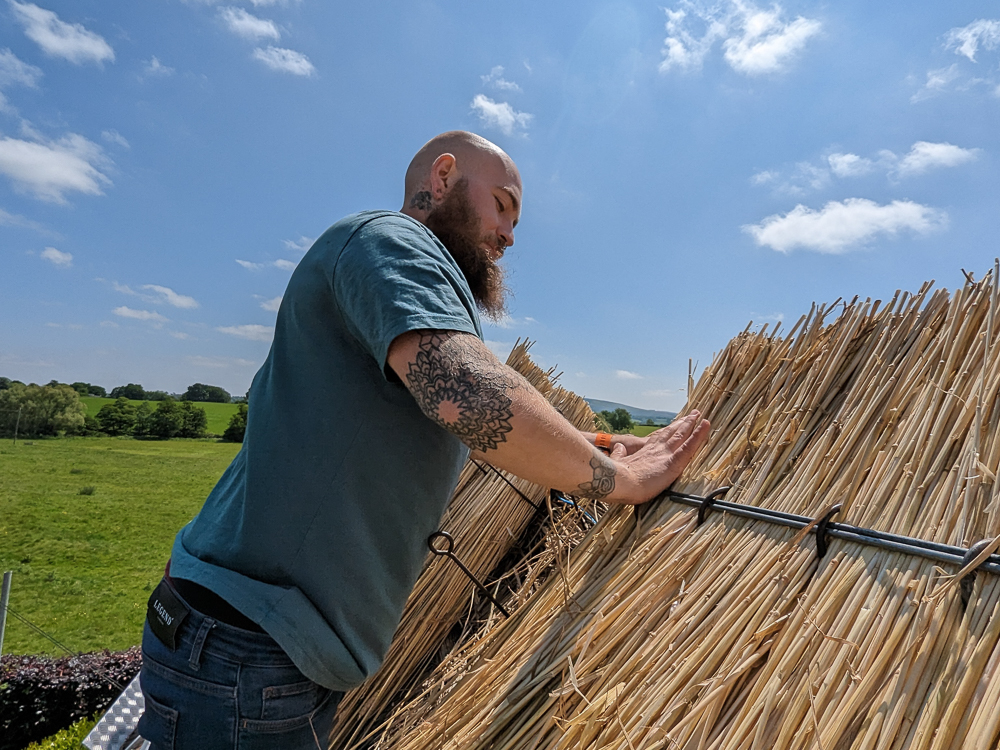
(688, 168)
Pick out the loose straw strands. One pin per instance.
(487, 518)
(732, 636)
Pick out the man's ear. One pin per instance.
(444, 174)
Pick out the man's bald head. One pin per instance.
(467, 191)
(471, 152)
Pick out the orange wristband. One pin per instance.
(603, 442)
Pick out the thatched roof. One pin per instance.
(732, 635)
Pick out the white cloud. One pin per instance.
(180, 335)
(271, 305)
(967, 39)
(495, 79)
(57, 258)
(161, 295)
(128, 312)
(302, 244)
(169, 296)
(284, 265)
(219, 362)
(248, 25)
(840, 226)
(767, 43)
(48, 170)
(924, 156)
(15, 71)
(938, 80)
(15, 220)
(253, 332)
(113, 136)
(285, 60)
(626, 375)
(683, 49)
(500, 115)
(849, 165)
(57, 38)
(153, 67)
(754, 41)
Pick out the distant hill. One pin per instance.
(639, 415)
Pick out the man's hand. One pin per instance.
(661, 458)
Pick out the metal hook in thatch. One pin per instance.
(969, 579)
(822, 539)
(709, 501)
(510, 484)
(448, 550)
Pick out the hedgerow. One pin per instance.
(41, 695)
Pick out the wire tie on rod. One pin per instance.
(709, 501)
(822, 534)
(969, 579)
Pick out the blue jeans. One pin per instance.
(225, 687)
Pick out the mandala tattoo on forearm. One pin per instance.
(603, 483)
(422, 201)
(472, 404)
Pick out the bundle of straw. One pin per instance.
(487, 518)
(733, 635)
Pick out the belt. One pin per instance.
(210, 604)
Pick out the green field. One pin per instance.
(218, 414)
(642, 429)
(84, 564)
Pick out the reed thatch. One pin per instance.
(732, 635)
(488, 519)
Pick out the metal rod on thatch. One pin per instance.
(944, 553)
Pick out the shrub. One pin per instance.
(40, 695)
(37, 410)
(132, 391)
(167, 421)
(143, 420)
(202, 392)
(195, 421)
(70, 738)
(117, 418)
(237, 425)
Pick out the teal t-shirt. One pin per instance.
(317, 530)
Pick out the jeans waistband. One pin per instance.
(228, 641)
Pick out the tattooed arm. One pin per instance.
(462, 386)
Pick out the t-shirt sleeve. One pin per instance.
(391, 279)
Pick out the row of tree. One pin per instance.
(169, 419)
(48, 410)
(195, 392)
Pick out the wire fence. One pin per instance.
(59, 644)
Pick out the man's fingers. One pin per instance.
(619, 451)
(682, 428)
(696, 439)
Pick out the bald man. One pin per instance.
(286, 589)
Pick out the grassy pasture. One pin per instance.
(218, 414)
(642, 429)
(84, 564)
